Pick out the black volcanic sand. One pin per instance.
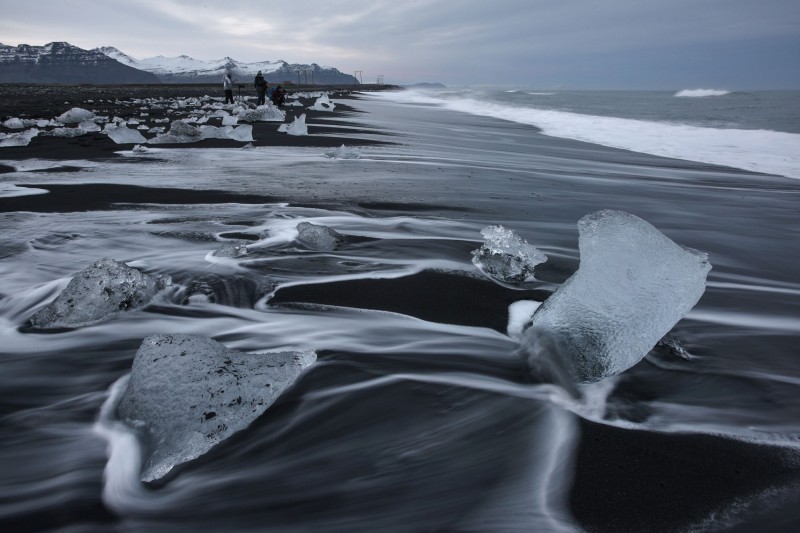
(624, 480)
(47, 102)
(429, 295)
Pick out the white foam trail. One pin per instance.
(701, 92)
(747, 320)
(762, 151)
(121, 483)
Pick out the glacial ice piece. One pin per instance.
(179, 132)
(89, 126)
(242, 133)
(190, 393)
(63, 132)
(22, 138)
(107, 287)
(14, 123)
(124, 135)
(232, 249)
(506, 256)
(343, 152)
(298, 126)
(74, 116)
(263, 113)
(318, 237)
(323, 103)
(139, 149)
(632, 286)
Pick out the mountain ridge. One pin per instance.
(62, 62)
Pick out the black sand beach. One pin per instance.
(620, 479)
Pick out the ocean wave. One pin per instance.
(701, 92)
(761, 151)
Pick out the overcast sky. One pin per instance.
(582, 44)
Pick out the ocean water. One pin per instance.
(418, 415)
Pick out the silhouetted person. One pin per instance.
(261, 87)
(227, 86)
(278, 95)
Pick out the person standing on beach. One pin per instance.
(227, 86)
(261, 87)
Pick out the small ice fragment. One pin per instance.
(323, 103)
(232, 249)
(343, 152)
(298, 127)
(504, 255)
(139, 149)
(318, 237)
(633, 285)
(124, 135)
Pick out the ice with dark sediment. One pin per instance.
(103, 289)
(232, 249)
(506, 256)
(189, 393)
(179, 132)
(633, 285)
(318, 237)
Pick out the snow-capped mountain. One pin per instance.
(184, 69)
(61, 62)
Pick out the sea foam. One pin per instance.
(762, 151)
(702, 92)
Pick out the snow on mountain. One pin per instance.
(62, 62)
(184, 69)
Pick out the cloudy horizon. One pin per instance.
(577, 44)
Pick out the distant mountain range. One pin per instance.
(61, 62)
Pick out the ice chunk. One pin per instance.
(323, 103)
(298, 126)
(139, 149)
(179, 132)
(318, 237)
(632, 286)
(124, 135)
(75, 115)
(63, 132)
(190, 392)
(22, 138)
(506, 256)
(343, 152)
(263, 113)
(242, 133)
(229, 121)
(232, 249)
(89, 126)
(14, 123)
(105, 288)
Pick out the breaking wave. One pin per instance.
(702, 92)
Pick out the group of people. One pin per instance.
(277, 95)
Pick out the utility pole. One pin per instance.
(305, 73)
(312, 77)
(298, 75)
(380, 79)
(357, 76)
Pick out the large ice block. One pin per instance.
(632, 286)
(190, 393)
